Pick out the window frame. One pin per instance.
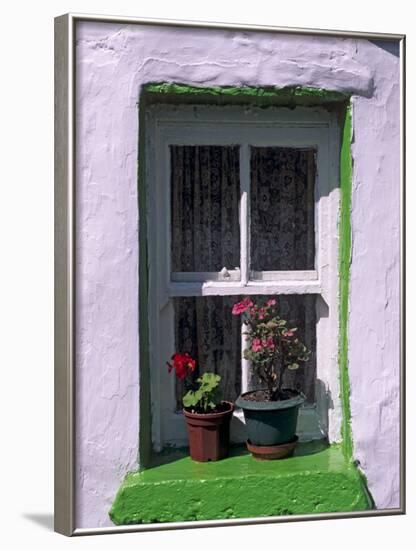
(244, 126)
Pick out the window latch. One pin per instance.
(225, 273)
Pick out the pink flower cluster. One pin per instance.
(265, 343)
(242, 306)
(248, 305)
(261, 313)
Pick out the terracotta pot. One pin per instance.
(272, 452)
(209, 434)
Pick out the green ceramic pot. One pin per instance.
(270, 422)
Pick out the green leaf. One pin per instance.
(209, 381)
(205, 397)
(192, 398)
(293, 366)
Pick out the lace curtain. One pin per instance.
(205, 194)
(282, 228)
(300, 311)
(205, 328)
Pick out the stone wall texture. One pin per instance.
(112, 62)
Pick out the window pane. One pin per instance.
(205, 194)
(282, 209)
(299, 311)
(205, 328)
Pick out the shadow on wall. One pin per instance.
(324, 398)
(390, 46)
(44, 520)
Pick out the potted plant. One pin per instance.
(271, 411)
(207, 417)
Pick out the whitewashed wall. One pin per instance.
(113, 61)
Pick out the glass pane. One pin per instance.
(206, 329)
(205, 194)
(282, 209)
(299, 311)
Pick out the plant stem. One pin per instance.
(279, 387)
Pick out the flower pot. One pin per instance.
(209, 433)
(271, 422)
(272, 452)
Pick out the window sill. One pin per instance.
(315, 480)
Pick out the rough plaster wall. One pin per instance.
(374, 330)
(112, 63)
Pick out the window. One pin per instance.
(242, 201)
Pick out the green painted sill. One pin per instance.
(315, 480)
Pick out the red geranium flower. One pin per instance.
(183, 364)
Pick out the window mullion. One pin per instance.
(244, 247)
(244, 212)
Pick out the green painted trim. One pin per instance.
(291, 96)
(344, 278)
(366, 489)
(144, 436)
(241, 487)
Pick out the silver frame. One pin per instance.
(65, 189)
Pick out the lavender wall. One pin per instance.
(113, 61)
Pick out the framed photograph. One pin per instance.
(229, 284)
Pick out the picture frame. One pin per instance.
(70, 130)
